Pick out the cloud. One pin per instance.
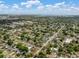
(75, 8)
(1, 2)
(59, 4)
(39, 8)
(3, 5)
(52, 6)
(58, 9)
(30, 3)
(15, 6)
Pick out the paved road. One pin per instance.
(50, 39)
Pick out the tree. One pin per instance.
(73, 47)
(24, 36)
(10, 42)
(41, 55)
(22, 47)
(29, 55)
(65, 32)
(48, 51)
(1, 54)
(6, 36)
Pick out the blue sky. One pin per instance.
(44, 7)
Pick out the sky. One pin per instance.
(40, 7)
